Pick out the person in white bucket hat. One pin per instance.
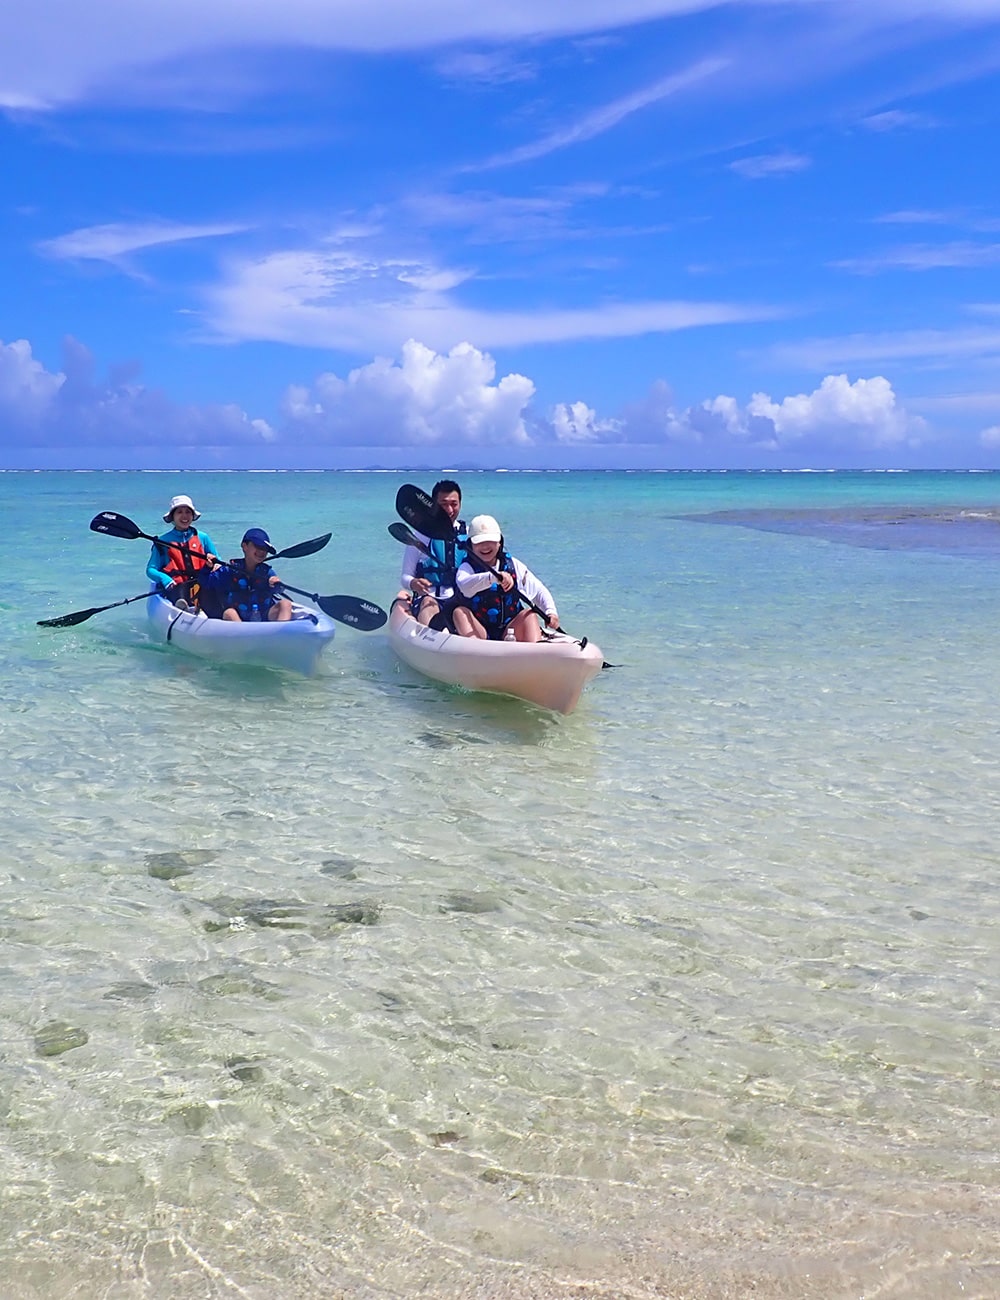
(175, 504)
(175, 571)
(492, 583)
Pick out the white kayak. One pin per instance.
(295, 645)
(550, 673)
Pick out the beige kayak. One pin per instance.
(550, 673)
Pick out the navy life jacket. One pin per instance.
(250, 594)
(442, 564)
(494, 607)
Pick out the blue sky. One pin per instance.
(650, 233)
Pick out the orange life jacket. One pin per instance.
(183, 565)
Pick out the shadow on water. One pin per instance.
(245, 681)
(440, 716)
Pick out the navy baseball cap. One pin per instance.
(258, 537)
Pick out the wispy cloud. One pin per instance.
(895, 119)
(764, 165)
(603, 119)
(915, 217)
(928, 347)
(494, 67)
(114, 242)
(956, 255)
(931, 217)
(366, 304)
(973, 403)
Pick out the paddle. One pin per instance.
(360, 614)
(116, 525)
(420, 512)
(81, 615)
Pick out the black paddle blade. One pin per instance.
(115, 525)
(69, 620)
(416, 507)
(81, 615)
(406, 535)
(360, 614)
(303, 548)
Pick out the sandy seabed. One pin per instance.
(942, 1243)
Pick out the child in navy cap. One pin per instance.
(247, 587)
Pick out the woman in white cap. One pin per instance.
(492, 583)
(174, 570)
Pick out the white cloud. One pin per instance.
(425, 399)
(770, 164)
(357, 304)
(838, 414)
(895, 119)
(865, 411)
(112, 242)
(494, 67)
(990, 437)
(958, 255)
(55, 51)
(960, 403)
(602, 119)
(576, 424)
(448, 406)
(933, 347)
(916, 217)
(77, 415)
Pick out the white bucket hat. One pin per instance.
(484, 528)
(180, 501)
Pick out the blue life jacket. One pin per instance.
(442, 564)
(494, 607)
(250, 594)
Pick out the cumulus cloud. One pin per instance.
(446, 408)
(425, 399)
(576, 424)
(837, 415)
(865, 411)
(74, 417)
(990, 438)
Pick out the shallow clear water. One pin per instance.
(389, 990)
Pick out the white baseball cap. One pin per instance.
(180, 501)
(484, 528)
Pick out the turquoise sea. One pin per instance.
(357, 986)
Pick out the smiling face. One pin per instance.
(253, 554)
(182, 517)
(450, 503)
(486, 551)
